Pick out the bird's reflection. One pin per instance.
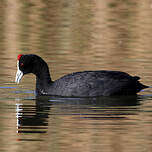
(98, 101)
(34, 118)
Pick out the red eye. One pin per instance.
(22, 64)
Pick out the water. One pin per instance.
(75, 36)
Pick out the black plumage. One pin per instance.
(79, 84)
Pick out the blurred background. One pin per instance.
(75, 35)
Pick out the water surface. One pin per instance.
(75, 36)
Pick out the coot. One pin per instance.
(77, 84)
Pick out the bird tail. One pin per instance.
(149, 86)
(139, 84)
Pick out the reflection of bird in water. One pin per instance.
(34, 118)
(98, 101)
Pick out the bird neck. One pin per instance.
(43, 79)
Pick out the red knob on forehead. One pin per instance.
(19, 56)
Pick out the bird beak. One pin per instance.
(19, 74)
